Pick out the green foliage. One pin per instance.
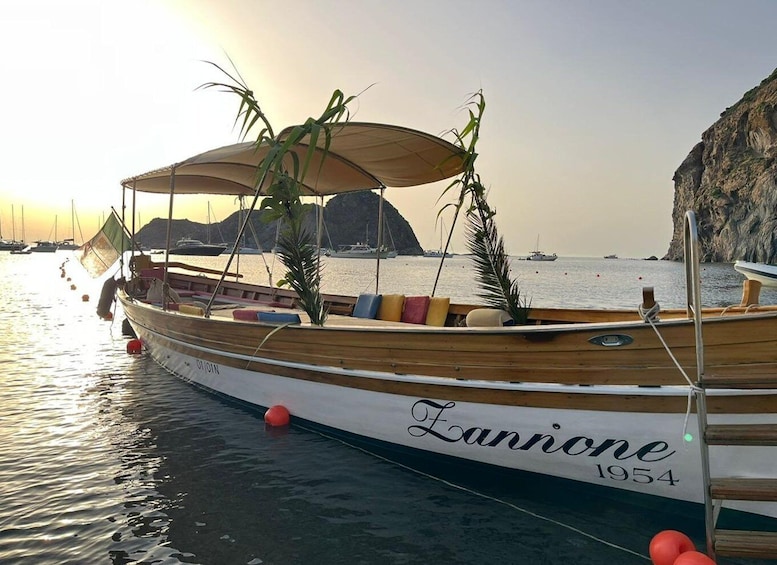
(492, 264)
(286, 172)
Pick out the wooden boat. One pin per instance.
(646, 401)
(761, 272)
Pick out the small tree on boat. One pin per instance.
(497, 287)
(283, 198)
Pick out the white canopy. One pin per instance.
(361, 156)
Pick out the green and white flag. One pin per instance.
(103, 250)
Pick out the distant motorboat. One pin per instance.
(188, 246)
(436, 253)
(243, 250)
(613, 256)
(67, 244)
(761, 272)
(361, 251)
(22, 250)
(45, 247)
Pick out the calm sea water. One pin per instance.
(106, 458)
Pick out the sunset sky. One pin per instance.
(591, 105)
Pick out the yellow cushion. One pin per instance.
(391, 307)
(190, 309)
(438, 311)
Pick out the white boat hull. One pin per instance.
(639, 452)
(761, 272)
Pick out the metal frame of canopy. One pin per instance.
(360, 156)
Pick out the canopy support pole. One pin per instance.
(380, 240)
(319, 231)
(240, 233)
(447, 245)
(123, 207)
(165, 283)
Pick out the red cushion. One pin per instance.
(245, 314)
(415, 309)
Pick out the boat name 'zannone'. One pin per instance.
(429, 415)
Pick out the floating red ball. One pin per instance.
(85, 298)
(277, 416)
(134, 346)
(693, 558)
(666, 546)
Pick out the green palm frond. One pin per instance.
(492, 265)
(286, 172)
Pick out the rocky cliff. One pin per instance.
(730, 180)
(349, 218)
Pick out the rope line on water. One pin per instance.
(479, 494)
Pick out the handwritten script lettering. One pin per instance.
(433, 420)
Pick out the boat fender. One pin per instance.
(666, 547)
(134, 347)
(277, 416)
(693, 558)
(107, 296)
(126, 328)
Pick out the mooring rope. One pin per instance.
(651, 317)
(478, 494)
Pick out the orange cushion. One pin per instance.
(415, 309)
(390, 308)
(438, 311)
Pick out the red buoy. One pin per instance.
(72, 287)
(85, 297)
(693, 558)
(277, 416)
(666, 546)
(134, 346)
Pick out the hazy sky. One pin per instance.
(591, 105)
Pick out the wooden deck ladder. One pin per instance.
(734, 543)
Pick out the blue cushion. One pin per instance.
(278, 318)
(366, 306)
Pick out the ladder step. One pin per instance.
(741, 434)
(744, 489)
(746, 382)
(742, 543)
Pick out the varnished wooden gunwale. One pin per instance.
(564, 357)
(243, 339)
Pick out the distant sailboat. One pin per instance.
(70, 243)
(438, 252)
(21, 247)
(538, 255)
(13, 245)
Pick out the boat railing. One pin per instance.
(742, 543)
(693, 305)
